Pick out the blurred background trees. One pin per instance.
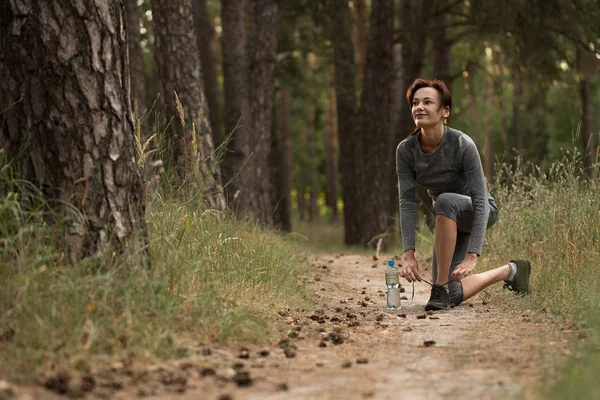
(303, 100)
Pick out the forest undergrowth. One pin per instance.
(553, 218)
(212, 278)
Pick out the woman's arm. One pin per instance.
(408, 212)
(477, 190)
(407, 197)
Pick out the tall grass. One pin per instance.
(553, 219)
(212, 278)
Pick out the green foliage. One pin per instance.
(212, 277)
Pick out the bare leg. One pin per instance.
(445, 242)
(476, 283)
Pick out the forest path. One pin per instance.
(484, 349)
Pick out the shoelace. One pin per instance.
(427, 282)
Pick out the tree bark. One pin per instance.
(331, 150)
(375, 128)
(502, 102)
(281, 163)
(313, 173)
(255, 144)
(516, 117)
(69, 126)
(237, 114)
(587, 136)
(136, 59)
(413, 47)
(361, 14)
(489, 139)
(189, 133)
(285, 156)
(442, 44)
(345, 75)
(205, 38)
(300, 198)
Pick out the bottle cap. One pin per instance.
(391, 263)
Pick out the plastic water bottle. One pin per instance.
(392, 281)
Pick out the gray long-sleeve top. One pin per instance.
(455, 167)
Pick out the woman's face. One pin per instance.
(426, 109)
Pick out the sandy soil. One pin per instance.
(351, 348)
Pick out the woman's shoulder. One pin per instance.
(408, 143)
(461, 138)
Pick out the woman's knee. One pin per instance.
(445, 205)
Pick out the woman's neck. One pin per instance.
(431, 136)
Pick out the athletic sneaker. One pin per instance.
(520, 282)
(439, 300)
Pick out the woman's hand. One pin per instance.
(465, 268)
(410, 267)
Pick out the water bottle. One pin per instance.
(392, 281)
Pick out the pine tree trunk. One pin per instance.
(281, 163)
(586, 134)
(413, 46)
(375, 128)
(313, 173)
(189, 133)
(237, 114)
(502, 103)
(331, 150)
(441, 44)
(300, 199)
(516, 117)
(205, 38)
(136, 59)
(255, 198)
(489, 140)
(397, 96)
(345, 75)
(361, 15)
(69, 126)
(285, 157)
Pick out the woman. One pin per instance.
(446, 162)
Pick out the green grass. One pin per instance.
(212, 278)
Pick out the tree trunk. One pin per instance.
(374, 112)
(331, 151)
(285, 156)
(413, 47)
(69, 126)
(502, 102)
(301, 188)
(516, 117)
(361, 14)
(442, 44)
(189, 134)
(136, 59)
(205, 38)
(397, 96)
(587, 136)
(237, 114)
(281, 163)
(255, 198)
(313, 172)
(345, 74)
(489, 139)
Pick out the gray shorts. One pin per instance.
(460, 209)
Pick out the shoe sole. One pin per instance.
(434, 307)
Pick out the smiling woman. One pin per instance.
(446, 162)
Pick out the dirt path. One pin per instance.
(350, 348)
